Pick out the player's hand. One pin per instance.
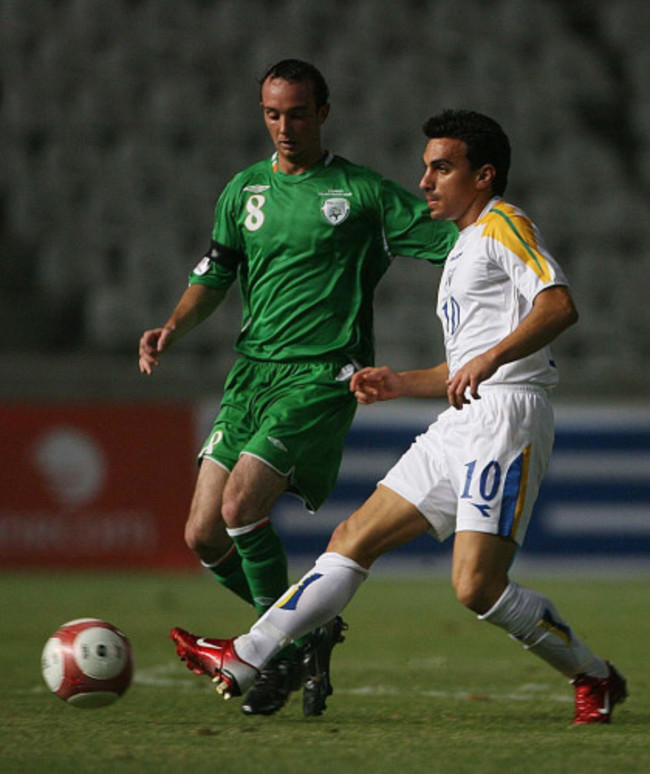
(467, 379)
(152, 344)
(373, 384)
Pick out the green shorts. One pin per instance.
(292, 416)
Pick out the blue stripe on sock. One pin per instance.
(290, 602)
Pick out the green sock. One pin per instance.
(230, 573)
(264, 563)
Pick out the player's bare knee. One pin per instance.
(195, 539)
(478, 592)
(191, 537)
(236, 512)
(471, 594)
(348, 541)
(465, 593)
(338, 539)
(207, 541)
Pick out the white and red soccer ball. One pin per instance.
(88, 663)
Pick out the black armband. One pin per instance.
(224, 256)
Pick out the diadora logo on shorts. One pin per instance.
(484, 508)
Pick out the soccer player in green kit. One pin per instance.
(308, 236)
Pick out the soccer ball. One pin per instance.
(88, 663)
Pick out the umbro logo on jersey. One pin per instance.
(256, 189)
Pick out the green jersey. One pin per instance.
(308, 251)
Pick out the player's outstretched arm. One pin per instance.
(373, 384)
(553, 311)
(196, 303)
(382, 383)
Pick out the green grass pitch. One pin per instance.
(420, 684)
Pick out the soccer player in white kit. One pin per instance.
(476, 471)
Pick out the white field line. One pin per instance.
(165, 676)
(168, 676)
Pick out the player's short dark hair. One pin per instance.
(296, 71)
(486, 141)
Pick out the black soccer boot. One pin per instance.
(271, 689)
(316, 666)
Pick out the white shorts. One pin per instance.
(479, 469)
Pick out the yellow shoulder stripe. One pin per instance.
(508, 226)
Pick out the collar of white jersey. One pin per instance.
(493, 202)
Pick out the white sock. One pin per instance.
(318, 597)
(532, 619)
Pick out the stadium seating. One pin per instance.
(121, 121)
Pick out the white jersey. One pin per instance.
(488, 286)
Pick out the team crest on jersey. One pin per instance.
(336, 210)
